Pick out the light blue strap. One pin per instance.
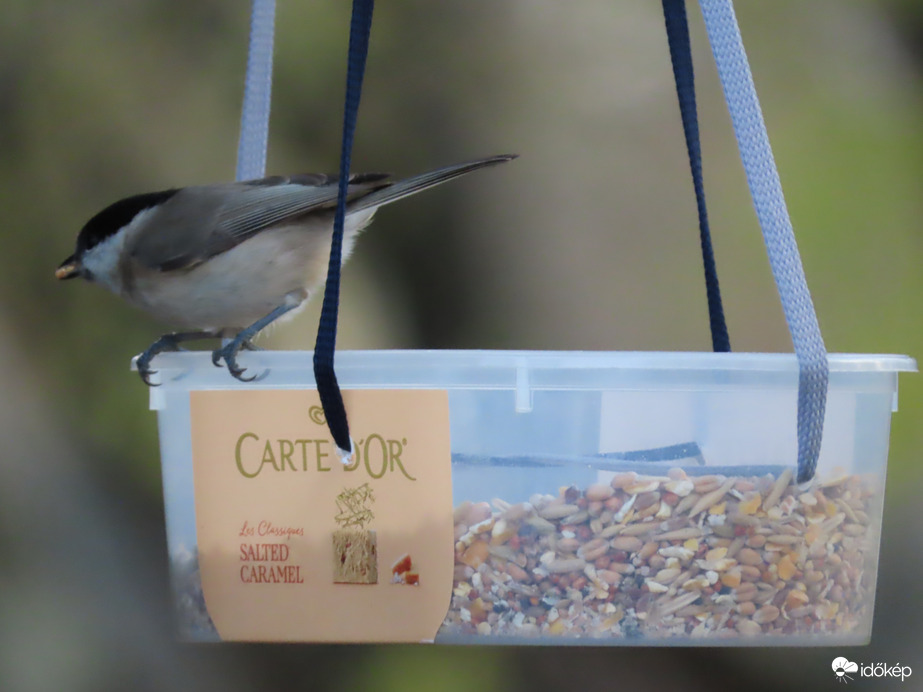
(763, 178)
(254, 120)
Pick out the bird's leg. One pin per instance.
(168, 342)
(248, 345)
(228, 352)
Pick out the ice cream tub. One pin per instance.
(517, 497)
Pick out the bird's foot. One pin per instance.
(228, 353)
(168, 342)
(244, 339)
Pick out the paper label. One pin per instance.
(296, 546)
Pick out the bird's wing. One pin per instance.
(227, 215)
(424, 181)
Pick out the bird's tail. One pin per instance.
(424, 181)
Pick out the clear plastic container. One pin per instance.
(614, 498)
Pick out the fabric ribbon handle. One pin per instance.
(756, 155)
(674, 14)
(769, 203)
(254, 119)
(251, 163)
(327, 385)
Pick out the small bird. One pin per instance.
(226, 260)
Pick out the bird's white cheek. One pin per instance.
(103, 262)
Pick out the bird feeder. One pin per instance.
(529, 497)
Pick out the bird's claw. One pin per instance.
(164, 343)
(236, 371)
(228, 353)
(144, 370)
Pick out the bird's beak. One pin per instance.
(69, 269)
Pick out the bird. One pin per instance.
(226, 260)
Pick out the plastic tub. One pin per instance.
(609, 498)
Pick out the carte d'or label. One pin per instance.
(295, 545)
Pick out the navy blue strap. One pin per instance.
(327, 386)
(674, 13)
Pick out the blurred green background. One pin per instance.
(588, 241)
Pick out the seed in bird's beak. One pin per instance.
(68, 270)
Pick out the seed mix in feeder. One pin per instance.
(662, 557)
(677, 556)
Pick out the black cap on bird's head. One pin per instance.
(106, 224)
